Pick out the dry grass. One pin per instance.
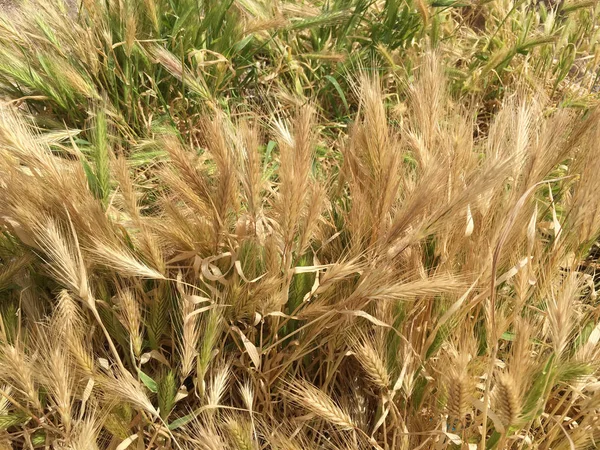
(431, 284)
(409, 281)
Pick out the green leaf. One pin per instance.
(536, 395)
(508, 336)
(270, 147)
(185, 419)
(241, 44)
(338, 88)
(439, 339)
(584, 334)
(530, 43)
(492, 442)
(148, 382)
(449, 4)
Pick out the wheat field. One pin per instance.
(286, 225)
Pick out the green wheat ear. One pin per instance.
(167, 391)
(101, 155)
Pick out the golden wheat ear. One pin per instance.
(121, 386)
(63, 256)
(319, 403)
(122, 260)
(17, 369)
(507, 400)
(85, 434)
(240, 434)
(130, 315)
(371, 360)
